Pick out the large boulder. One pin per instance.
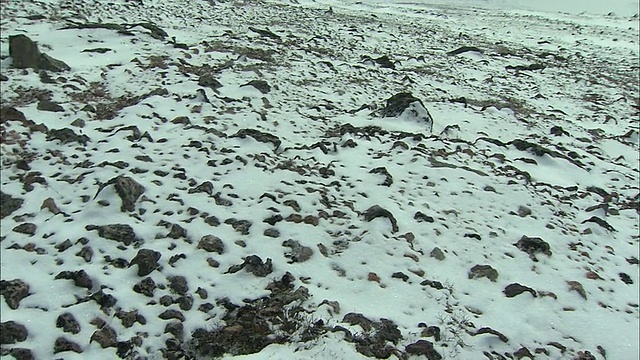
(25, 54)
(406, 106)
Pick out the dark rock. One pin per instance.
(599, 221)
(8, 113)
(533, 246)
(63, 344)
(383, 170)
(185, 302)
(21, 354)
(86, 253)
(531, 67)
(258, 136)
(4, 77)
(577, 287)
(516, 289)
(166, 300)
(398, 104)
(106, 337)
(12, 332)
(64, 246)
(25, 54)
(523, 211)
(400, 275)
(209, 81)
(211, 243)
(45, 78)
(430, 331)
(464, 49)
(26, 228)
(423, 347)
(272, 232)
(205, 187)
(118, 232)
(8, 204)
(128, 318)
(432, 283)
(420, 217)
(46, 105)
(171, 314)
(80, 278)
(625, 278)
(129, 191)
(177, 232)
(524, 352)
(488, 330)
(241, 226)
(66, 136)
(260, 85)
(105, 301)
(387, 330)
(68, 323)
(147, 261)
(358, 319)
(298, 252)
(376, 211)
(558, 131)
(175, 328)
(178, 284)
(437, 253)
(254, 265)
(265, 32)
(14, 291)
(480, 271)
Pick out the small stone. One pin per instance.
(272, 232)
(178, 285)
(147, 261)
(106, 337)
(516, 289)
(172, 314)
(480, 271)
(26, 228)
(12, 332)
(211, 243)
(437, 253)
(145, 287)
(68, 323)
(63, 344)
(14, 291)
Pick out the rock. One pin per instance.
(480, 271)
(377, 211)
(211, 243)
(205, 187)
(358, 319)
(105, 301)
(433, 283)
(599, 221)
(129, 191)
(260, 85)
(420, 217)
(406, 106)
(26, 228)
(533, 246)
(86, 253)
(175, 328)
(298, 252)
(625, 278)
(67, 136)
(241, 226)
(488, 330)
(46, 105)
(68, 323)
(209, 81)
(437, 253)
(178, 284)
(105, 336)
(80, 278)
(63, 344)
(21, 354)
(12, 332)
(25, 54)
(423, 347)
(558, 131)
(400, 275)
(383, 170)
(50, 205)
(430, 331)
(128, 318)
(172, 314)
(464, 49)
(577, 287)
(14, 291)
(523, 211)
(254, 265)
(258, 136)
(8, 204)
(147, 261)
(185, 302)
(118, 232)
(272, 232)
(516, 289)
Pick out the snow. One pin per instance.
(472, 187)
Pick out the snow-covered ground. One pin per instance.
(238, 187)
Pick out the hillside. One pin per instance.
(318, 180)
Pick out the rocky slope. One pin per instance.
(318, 180)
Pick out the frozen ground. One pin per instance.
(232, 186)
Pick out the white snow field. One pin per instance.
(320, 179)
